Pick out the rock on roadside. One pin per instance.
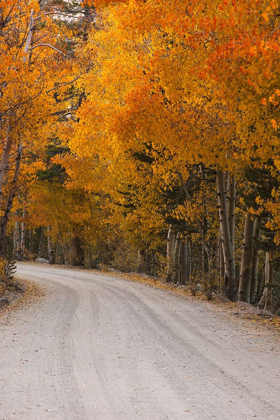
(42, 261)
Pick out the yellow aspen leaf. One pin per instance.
(274, 124)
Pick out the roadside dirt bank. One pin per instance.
(17, 293)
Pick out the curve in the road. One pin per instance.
(102, 348)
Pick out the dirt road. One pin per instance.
(102, 348)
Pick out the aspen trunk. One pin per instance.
(139, 261)
(190, 252)
(231, 210)
(221, 265)
(4, 165)
(230, 277)
(185, 274)
(31, 240)
(58, 253)
(177, 260)
(13, 191)
(29, 36)
(50, 247)
(40, 245)
(202, 261)
(244, 290)
(268, 280)
(255, 260)
(77, 253)
(16, 239)
(170, 254)
(22, 238)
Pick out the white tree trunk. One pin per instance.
(29, 35)
(255, 260)
(229, 259)
(268, 280)
(50, 246)
(244, 290)
(177, 259)
(170, 253)
(22, 238)
(231, 210)
(17, 240)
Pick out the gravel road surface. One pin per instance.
(102, 348)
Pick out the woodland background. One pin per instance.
(144, 136)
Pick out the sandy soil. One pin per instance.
(102, 348)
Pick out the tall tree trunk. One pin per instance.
(244, 290)
(50, 247)
(59, 257)
(17, 240)
(268, 280)
(177, 259)
(230, 276)
(231, 209)
(221, 265)
(77, 253)
(31, 240)
(4, 165)
(29, 36)
(139, 261)
(201, 258)
(255, 259)
(22, 238)
(185, 274)
(170, 254)
(13, 191)
(41, 242)
(190, 252)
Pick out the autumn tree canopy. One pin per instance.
(165, 121)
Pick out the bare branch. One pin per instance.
(64, 84)
(46, 45)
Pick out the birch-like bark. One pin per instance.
(255, 260)
(268, 280)
(16, 239)
(230, 277)
(244, 290)
(177, 259)
(190, 252)
(22, 238)
(231, 210)
(221, 265)
(170, 254)
(185, 274)
(29, 36)
(50, 246)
